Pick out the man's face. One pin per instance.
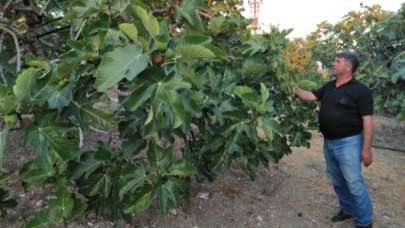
(341, 66)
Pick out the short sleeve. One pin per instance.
(366, 103)
(319, 92)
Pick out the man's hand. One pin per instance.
(366, 157)
(303, 94)
(295, 89)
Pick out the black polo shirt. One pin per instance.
(342, 108)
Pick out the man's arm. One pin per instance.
(366, 154)
(304, 94)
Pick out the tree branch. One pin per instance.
(24, 8)
(51, 21)
(7, 5)
(3, 77)
(80, 30)
(17, 46)
(53, 31)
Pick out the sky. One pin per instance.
(304, 15)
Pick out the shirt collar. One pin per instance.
(344, 84)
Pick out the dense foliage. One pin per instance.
(158, 74)
(378, 38)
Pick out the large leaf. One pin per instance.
(149, 21)
(191, 76)
(85, 167)
(215, 25)
(87, 115)
(181, 168)
(167, 92)
(126, 62)
(42, 137)
(64, 147)
(398, 67)
(140, 96)
(130, 30)
(7, 100)
(250, 97)
(6, 201)
(270, 127)
(218, 52)
(188, 10)
(24, 83)
(60, 98)
(307, 84)
(84, 8)
(253, 67)
(140, 205)
(79, 208)
(32, 89)
(194, 51)
(33, 173)
(264, 92)
(118, 6)
(137, 181)
(168, 196)
(196, 39)
(114, 38)
(63, 202)
(102, 187)
(40, 64)
(42, 219)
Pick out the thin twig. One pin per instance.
(71, 33)
(7, 5)
(3, 77)
(81, 137)
(24, 8)
(102, 131)
(80, 30)
(48, 44)
(17, 46)
(204, 14)
(123, 93)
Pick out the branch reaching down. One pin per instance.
(17, 46)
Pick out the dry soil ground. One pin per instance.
(292, 194)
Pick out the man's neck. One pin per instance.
(342, 79)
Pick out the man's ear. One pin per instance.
(348, 65)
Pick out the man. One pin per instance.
(346, 122)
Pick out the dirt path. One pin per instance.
(295, 193)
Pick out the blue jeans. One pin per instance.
(343, 167)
